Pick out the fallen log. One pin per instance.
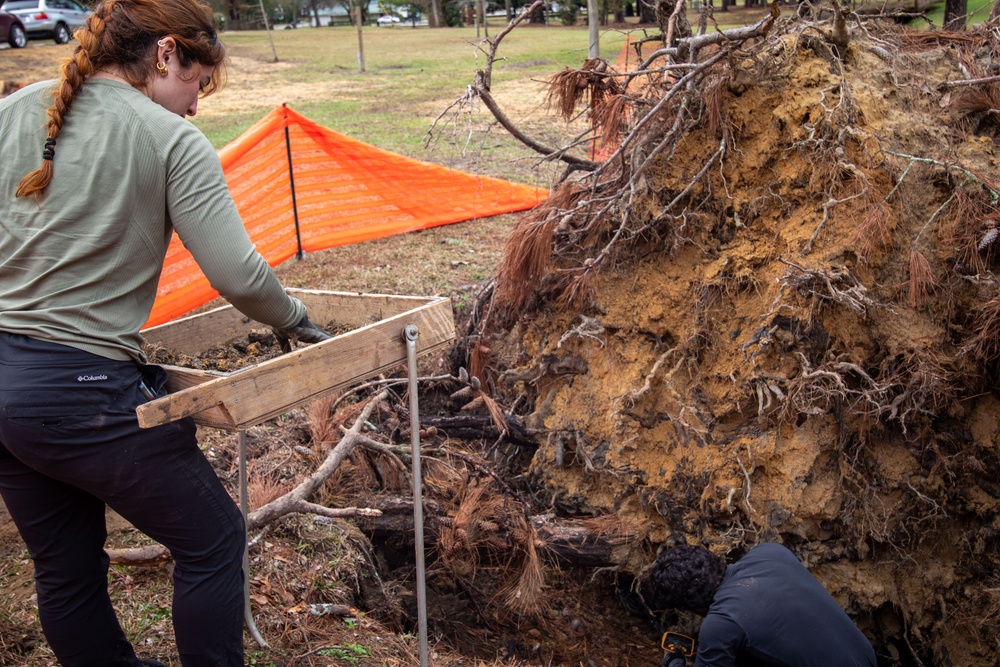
(479, 427)
(584, 543)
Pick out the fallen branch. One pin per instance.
(549, 152)
(566, 542)
(295, 501)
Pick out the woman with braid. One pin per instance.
(99, 168)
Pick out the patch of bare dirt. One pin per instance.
(798, 344)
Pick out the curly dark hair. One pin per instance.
(683, 577)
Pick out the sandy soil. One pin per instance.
(766, 368)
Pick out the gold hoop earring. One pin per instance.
(161, 67)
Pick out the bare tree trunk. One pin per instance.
(435, 17)
(508, 6)
(593, 19)
(647, 11)
(361, 39)
(537, 15)
(954, 14)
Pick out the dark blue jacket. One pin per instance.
(771, 611)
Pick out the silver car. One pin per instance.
(48, 19)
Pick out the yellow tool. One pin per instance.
(674, 642)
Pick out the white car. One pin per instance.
(49, 19)
(387, 19)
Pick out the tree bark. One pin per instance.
(954, 14)
(647, 11)
(593, 28)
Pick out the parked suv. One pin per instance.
(12, 31)
(48, 19)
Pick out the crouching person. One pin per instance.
(765, 609)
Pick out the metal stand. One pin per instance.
(410, 333)
(244, 508)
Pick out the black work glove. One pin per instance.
(304, 332)
(672, 659)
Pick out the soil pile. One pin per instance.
(773, 316)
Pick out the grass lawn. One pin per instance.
(411, 76)
(977, 10)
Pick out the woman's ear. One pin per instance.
(166, 47)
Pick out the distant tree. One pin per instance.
(287, 11)
(433, 10)
(569, 11)
(454, 12)
(398, 8)
(954, 14)
(350, 6)
(538, 15)
(616, 7)
(647, 11)
(241, 15)
(312, 7)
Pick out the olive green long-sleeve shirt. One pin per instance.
(80, 264)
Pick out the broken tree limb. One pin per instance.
(491, 52)
(549, 152)
(295, 501)
(481, 88)
(476, 427)
(566, 542)
(150, 555)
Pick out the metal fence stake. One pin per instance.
(410, 333)
(244, 508)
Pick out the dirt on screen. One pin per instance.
(805, 349)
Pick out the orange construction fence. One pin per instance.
(301, 187)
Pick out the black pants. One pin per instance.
(69, 445)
